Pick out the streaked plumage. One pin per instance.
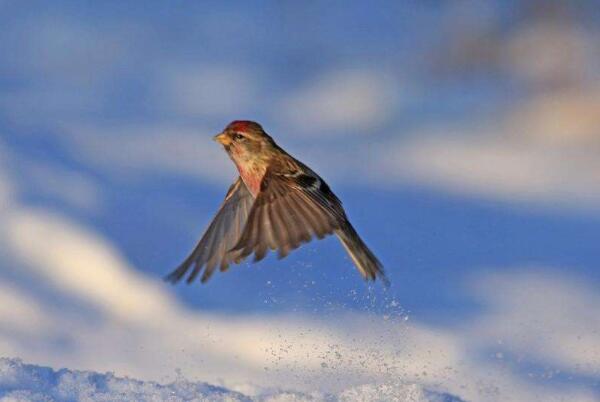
(277, 203)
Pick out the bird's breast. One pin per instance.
(252, 177)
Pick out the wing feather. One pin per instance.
(301, 221)
(283, 238)
(259, 236)
(222, 234)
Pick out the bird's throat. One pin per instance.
(250, 165)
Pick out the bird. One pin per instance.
(276, 203)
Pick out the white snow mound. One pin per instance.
(26, 382)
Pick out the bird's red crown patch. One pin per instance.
(242, 125)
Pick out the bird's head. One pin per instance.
(245, 140)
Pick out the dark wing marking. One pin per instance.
(289, 210)
(222, 234)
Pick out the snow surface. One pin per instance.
(27, 382)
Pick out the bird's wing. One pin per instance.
(289, 209)
(221, 236)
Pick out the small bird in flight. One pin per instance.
(276, 203)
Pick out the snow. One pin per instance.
(27, 382)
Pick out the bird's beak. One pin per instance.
(222, 139)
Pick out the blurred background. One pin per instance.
(463, 138)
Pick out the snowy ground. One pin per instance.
(26, 382)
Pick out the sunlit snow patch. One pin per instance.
(26, 382)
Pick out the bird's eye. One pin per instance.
(238, 137)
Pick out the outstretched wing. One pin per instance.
(221, 236)
(290, 209)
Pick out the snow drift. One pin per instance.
(26, 382)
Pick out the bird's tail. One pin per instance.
(364, 259)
